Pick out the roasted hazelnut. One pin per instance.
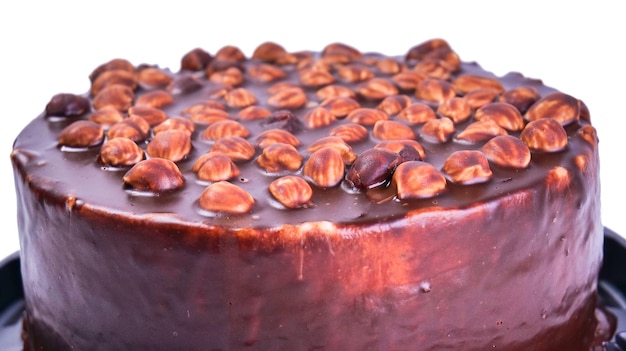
(291, 191)
(504, 114)
(389, 65)
(288, 98)
(269, 52)
(155, 98)
(481, 131)
(520, 97)
(225, 128)
(408, 149)
(152, 115)
(230, 53)
(340, 106)
(175, 123)
(373, 167)
(111, 77)
(237, 148)
(480, 97)
(418, 180)
(376, 89)
(208, 115)
(264, 72)
(311, 77)
(117, 96)
(355, 72)
(344, 149)
(231, 76)
(174, 145)
(253, 112)
(273, 136)
(467, 167)
(392, 105)
(325, 167)
(195, 60)
(106, 116)
(545, 135)
(466, 83)
(417, 112)
(434, 90)
(134, 128)
(456, 108)
(433, 68)
(438, 130)
(81, 134)
(318, 117)
(558, 179)
(558, 106)
(240, 97)
(114, 64)
(589, 134)
(279, 157)
(156, 175)
(507, 151)
(389, 130)
(226, 197)
(333, 91)
(215, 166)
(153, 78)
(367, 116)
(67, 105)
(120, 152)
(184, 84)
(408, 80)
(422, 50)
(341, 53)
(350, 132)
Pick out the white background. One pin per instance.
(49, 47)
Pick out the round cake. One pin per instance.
(311, 200)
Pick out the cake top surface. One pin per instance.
(291, 137)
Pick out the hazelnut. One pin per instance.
(520, 97)
(230, 53)
(174, 145)
(311, 77)
(408, 80)
(215, 166)
(456, 108)
(195, 60)
(278, 157)
(389, 65)
(367, 116)
(507, 151)
(272, 136)
(283, 119)
(265, 73)
(225, 128)
(110, 77)
(175, 123)
(208, 115)
(504, 114)
(438, 130)
(558, 106)
(341, 53)
(480, 97)
(373, 167)
(417, 112)
(231, 76)
(407, 148)
(589, 134)
(120, 152)
(433, 68)
(155, 98)
(376, 89)
(325, 167)
(558, 179)
(418, 180)
(288, 98)
(269, 52)
(240, 97)
(117, 96)
(467, 167)
(465, 83)
(253, 112)
(355, 72)
(184, 84)
(237, 148)
(340, 106)
(318, 117)
(345, 150)
(392, 105)
(106, 116)
(350, 133)
(226, 197)
(67, 105)
(481, 131)
(434, 90)
(151, 114)
(153, 78)
(389, 130)
(154, 175)
(134, 128)
(291, 191)
(81, 134)
(114, 64)
(333, 91)
(545, 135)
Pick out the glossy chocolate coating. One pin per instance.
(509, 264)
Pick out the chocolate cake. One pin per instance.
(312, 200)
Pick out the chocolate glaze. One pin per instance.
(508, 264)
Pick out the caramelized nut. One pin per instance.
(341, 53)
(418, 180)
(120, 152)
(273, 136)
(333, 91)
(279, 157)
(390, 130)
(507, 151)
(434, 90)
(520, 97)
(350, 133)
(325, 167)
(481, 131)
(208, 115)
(152, 115)
(291, 191)
(480, 97)
(315, 77)
(237, 148)
(195, 60)
(340, 106)
(253, 112)
(156, 175)
(215, 166)
(467, 167)
(416, 113)
(558, 106)
(456, 108)
(175, 123)
(106, 116)
(408, 149)
(264, 72)
(389, 65)
(438, 130)
(589, 134)
(230, 53)
(240, 97)
(392, 105)
(504, 114)
(318, 117)
(376, 89)
(355, 72)
(466, 83)
(117, 96)
(111, 77)
(225, 128)
(367, 116)
(288, 98)
(231, 76)
(226, 197)
(81, 134)
(134, 128)
(544, 134)
(558, 179)
(269, 52)
(67, 105)
(408, 80)
(422, 50)
(345, 150)
(433, 68)
(155, 98)
(153, 78)
(114, 64)
(373, 167)
(173, 145)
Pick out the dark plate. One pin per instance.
(611, 289)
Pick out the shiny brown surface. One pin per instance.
(510, 263)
